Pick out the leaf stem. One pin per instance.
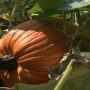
(65, 75)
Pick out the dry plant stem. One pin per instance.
(79, 20)
(12, 15)
(64, 28)
(65, 75)
(80, 23)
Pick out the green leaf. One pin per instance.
(44, 5)
(58, 5)
(74, 4)
(48, 9)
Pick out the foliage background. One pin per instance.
(13, 12)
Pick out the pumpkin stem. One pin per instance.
(8, 62)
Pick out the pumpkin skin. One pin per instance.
(36, 45)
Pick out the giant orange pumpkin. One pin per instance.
(35, 45)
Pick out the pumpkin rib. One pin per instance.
(32, 72)
(26, 34)
(17, 35)
(35, 36)
(33, 44)
(35, 48)
(41, 68)
(27, 45)
(43, 61)
(28, 39)
(39, 52)
(7, 41)
(43, 65)
(32, 78)
(35, 77)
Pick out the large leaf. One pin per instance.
(50, 5)
(47, 8)
(43, 5)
